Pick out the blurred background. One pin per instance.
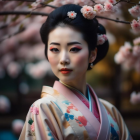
(24, 68)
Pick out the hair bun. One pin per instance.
(101, 29)
(101, 49)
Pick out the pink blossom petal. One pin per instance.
(108, 7)
(99, 8)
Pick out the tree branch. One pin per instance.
(3, 26)
(48, 5)
(125, 22)
(21, 0)
(46, 14)
(21, 30)
(23, 13)
(127, 1)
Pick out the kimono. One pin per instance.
(63, 113)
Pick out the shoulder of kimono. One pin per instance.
(45, 100)
(111, 109)
(115, 114)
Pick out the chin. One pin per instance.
(66, 79)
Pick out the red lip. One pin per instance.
(65, 70)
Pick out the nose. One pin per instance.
(64, 59)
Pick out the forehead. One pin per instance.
(64, 34)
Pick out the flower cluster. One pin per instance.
(88, 12)
(101, 39)
(135, 11)
(135, 97)
(129, 56)
(136, 25)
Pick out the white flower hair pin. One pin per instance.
(88, 12)
(72, 14)
(101, 39)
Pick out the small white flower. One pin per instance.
(101, 39)
(72, 14)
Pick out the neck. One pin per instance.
(77, 84)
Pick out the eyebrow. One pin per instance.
(68, 44)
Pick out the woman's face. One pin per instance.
(68, 54)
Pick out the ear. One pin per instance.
(93, 55)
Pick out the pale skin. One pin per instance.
(68, 49)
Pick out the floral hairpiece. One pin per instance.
(101, 39)
(72, 14)
(88, 12)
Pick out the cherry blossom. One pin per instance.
(112, 1)
(101, 39)
(108, 7)
(13, 69)
(135, 25)
(135, 97)
(99, 8)
(38, 70)
(136, 50)
(72, 14)
(5, 104)
(17, 126)
(135, 11)
(136, 41)
(126, 50)
(88, 12)
(119, 58)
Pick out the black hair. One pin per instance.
(88, 28)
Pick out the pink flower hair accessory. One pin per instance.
(72, 14)
(101, 39)
(88, 12)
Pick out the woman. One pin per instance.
(70, 109)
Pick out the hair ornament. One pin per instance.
(101, 39)
(72, 14)
(88, 12)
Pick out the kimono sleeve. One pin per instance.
(112, 110)
(40, 123)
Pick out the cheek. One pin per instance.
(53, 61)
(81, 59)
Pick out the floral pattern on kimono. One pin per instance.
(54, 117)
(114, 134)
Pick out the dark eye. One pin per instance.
(75, 49)
(54, 50)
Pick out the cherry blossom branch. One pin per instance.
(48, 5)
(125, 22)
(94, 2)
(127, 1)
(23, 13)
(46, 14)
(21, 0)
(19, 31)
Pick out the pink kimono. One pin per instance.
(63, 113)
